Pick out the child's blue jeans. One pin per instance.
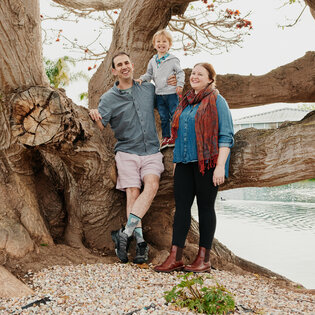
(166, 105)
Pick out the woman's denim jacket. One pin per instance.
(185, 150)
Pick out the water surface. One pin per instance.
(273, 227)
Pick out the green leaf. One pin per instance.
(189, 293)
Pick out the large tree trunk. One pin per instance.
(57, 169)
(21, 65)
(20, 49)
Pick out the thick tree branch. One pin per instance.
(103, 5)
(273, 157)
(97, 5)
(291, 83)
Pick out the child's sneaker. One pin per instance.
(171, 142)
(164, 143)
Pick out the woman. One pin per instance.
(203, 129)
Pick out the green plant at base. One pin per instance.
(191, 294)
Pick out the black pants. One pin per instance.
(188, 183)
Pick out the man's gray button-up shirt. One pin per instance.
(131, 116)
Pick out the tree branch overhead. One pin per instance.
(97, 5)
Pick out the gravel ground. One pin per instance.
(125, 288)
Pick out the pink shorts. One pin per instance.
(132, 168)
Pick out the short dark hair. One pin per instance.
(121, 53)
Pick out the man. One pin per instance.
(129, 108)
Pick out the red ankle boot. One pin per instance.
(173, 262)
(201, 263)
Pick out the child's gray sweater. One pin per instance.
(160, 74)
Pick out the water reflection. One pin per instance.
(290, 207)
(297, 192)
(282, 215)
(273, 227)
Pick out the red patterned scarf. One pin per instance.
(206, 125)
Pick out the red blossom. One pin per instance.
(247, 23)
(116, 12)
(89, 68)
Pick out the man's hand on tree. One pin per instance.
(95, 115)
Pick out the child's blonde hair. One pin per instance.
(165, 33)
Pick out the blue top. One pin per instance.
(131, 116)
(185, 150)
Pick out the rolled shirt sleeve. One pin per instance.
(104, 110)
(226, 130)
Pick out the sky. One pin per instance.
(269, 46)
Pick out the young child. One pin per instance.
(160, 67)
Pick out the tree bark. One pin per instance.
(11, 286)
(96, 5)
(102, 5)
(273, 157)
(20, 47)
